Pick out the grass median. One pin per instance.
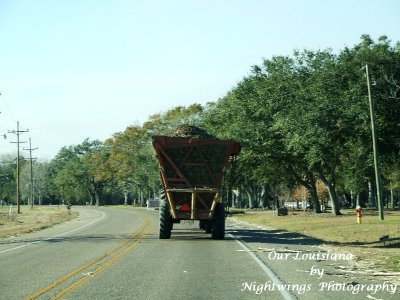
(363, 240)
(31, 219)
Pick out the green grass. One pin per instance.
(341, 231)
(334, 229)
(391, 263)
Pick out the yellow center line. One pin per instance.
(102, 267)
(58, 282)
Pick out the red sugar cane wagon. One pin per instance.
(191, 171)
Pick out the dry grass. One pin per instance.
(342, 231)
(31, 219)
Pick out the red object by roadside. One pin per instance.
(358, 211)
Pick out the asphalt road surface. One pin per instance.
(115, 253)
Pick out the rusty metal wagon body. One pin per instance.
(191, 171)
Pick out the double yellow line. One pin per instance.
(105, 261)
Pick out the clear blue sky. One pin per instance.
(76, 69)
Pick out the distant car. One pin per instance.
(152, 203)
(293, 205)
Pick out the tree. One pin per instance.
(252, 111)
(132, 165)
(75, 173)
(305, 117)
(7, 178)
(131, 155)
(383, 61)
(301, 120)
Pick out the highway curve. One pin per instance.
(114, 253)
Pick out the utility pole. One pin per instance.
(18, 133)
(375, 149)
(30, 149)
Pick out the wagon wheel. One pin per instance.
(218, 229)
(165, 219)
(206, 225)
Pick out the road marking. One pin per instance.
(285, 294)
(108, 259)
(102, 267)
(61, 234)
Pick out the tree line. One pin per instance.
(302, 120)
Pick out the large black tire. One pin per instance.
(218, 228)
(209, 227)
(206, 225)
(202, 224)
(165, 220)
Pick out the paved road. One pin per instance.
(114, 253)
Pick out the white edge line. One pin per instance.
(57, 235)
(286, 295)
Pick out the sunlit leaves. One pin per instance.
(309, 114)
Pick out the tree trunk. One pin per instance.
(334, 199)
(312, 189)
(229, 197)
(391, 197)
(331, 187)
(310, 184)
(96, 196)
(357, 200)
(252, 195)
(372, 194)
(308, 181)
(239, 201)
(92, 197)
(125, 198)
(264, 201)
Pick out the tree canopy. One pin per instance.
(302, 120)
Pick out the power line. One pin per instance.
(7, 116)
(4, 135)
(18, 132)
(7, 108)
